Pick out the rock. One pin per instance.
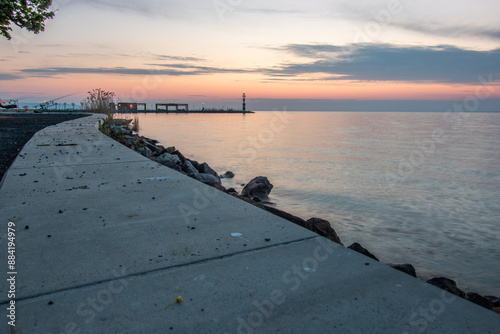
(152, 147)
(119, 130)
(170, 150)
(179, 154)
(406, 268)
(323, 228)
(220, 187)
(360, 249)
(157, 149)
(127, 140)
(149, 140)
(188, 168)
(145, 151)
(245, 199)
(227, 175)
(494, 300)
(282, 214)
(168, 160)
(447, 285)
(207, 178)
(259, 187)
(479, 300)
(195, 163)
(160, 150)
(206, 169)
(231, 191)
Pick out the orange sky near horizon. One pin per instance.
(225, 87)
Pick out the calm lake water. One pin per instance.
(420, 188)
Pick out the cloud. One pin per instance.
(159, 8)
(327, 62)
(7, 77)
(428, 17)
(203, 69)
(52, 71)
(158, 69)
(312, 50)
(136, 6)
(384, 62)
(273, 11)
(438, 29)
(177, 58)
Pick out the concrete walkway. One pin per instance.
(106, 240)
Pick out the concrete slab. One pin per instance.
(88, 219)
(105, 238)
(74, 146)
(312, 286)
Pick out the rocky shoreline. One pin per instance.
(256, 192)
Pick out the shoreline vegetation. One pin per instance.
(255, 192)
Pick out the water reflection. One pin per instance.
(441, 215)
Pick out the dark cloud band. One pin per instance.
(326, 62)
(383, 62)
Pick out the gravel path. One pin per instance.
(17, 129)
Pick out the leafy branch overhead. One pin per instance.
(28, 14)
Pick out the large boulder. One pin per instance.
(159, 149)
(447, 284)
(119, 130)
(206, 169)
(195, 163)
(406, 268)
(280, 213)
(170, 150)
(494, 300)
(180, 155)
(155, 149)
(258, 187)
(323, 228)
(227, 175)
(168, 160)
(479, 300)
(145, 151)
(360, 249)
(188, 168)
(207, 179)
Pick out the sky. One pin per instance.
(324, 54)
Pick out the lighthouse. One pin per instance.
(244, 102)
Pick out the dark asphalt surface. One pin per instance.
(17, 130)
